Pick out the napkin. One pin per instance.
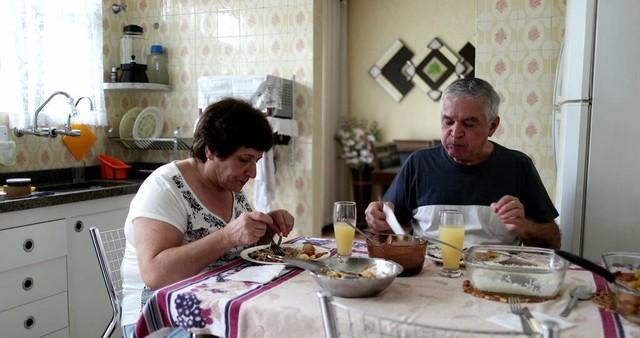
(258, 274)
(392, 220)
(512, 321)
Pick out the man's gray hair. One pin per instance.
(473, 88)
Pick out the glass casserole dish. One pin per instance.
(626, 267)
(515, 270)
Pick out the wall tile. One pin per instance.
(523, 45)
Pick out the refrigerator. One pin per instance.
(596, 128)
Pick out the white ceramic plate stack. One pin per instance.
(148, 125)
(125, 128)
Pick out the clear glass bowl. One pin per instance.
(626, 267)
(515, 270)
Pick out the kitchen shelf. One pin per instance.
(136, 86)
(160, 143)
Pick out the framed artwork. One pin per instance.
(431, 69)
(389, 71)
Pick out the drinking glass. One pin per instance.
(451, 231)
(344, 221)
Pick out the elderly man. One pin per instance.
(498, 189)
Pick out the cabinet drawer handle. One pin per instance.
(28, 245)
(27, 284)
(29, 322)
(79, 226)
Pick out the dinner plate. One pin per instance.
(147, 125)
(434, 254)
(125, 129)
(245, 253)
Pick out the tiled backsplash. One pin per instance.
(518, 45)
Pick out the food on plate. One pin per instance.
(307, 252)
(367, 273)
(308, 249)
(539, 285)
(510, 259)
(488, 255)
(632, 279)
(628, 304)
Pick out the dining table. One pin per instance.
(288, 306)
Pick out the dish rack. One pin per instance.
(158, 143)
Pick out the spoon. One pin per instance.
(578, 293)
(366, 235)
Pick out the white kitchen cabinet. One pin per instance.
(32, 282)
(33, 275)
(89, 307)
(35, 319)
(52, 270)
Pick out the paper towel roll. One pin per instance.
(7, 152)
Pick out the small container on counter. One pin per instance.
(18, 187)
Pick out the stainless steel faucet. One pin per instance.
(47, 131)
(74, 112)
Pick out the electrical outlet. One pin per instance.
(4, 133)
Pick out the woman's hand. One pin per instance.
(282, 222)
(249, 227)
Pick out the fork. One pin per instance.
(516, 308)
(275, 248)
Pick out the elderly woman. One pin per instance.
(191, 214)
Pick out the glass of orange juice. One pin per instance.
(344, 221)
(451, 231)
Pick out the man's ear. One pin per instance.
(494, 125)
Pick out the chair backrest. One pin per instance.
(386, 155)
(109, 247)
(340, 320)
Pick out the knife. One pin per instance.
(535, 324)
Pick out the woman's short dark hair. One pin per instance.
(229, 124)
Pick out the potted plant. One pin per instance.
(356, 139)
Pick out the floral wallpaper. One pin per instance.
(518, 42)
(205, 37)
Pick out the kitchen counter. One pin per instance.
(29, 202)
(65, 189)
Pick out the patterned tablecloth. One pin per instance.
(288, 306)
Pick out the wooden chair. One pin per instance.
(386, 164)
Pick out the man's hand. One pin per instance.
(511, 213)
(376, 220)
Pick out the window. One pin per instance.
(50, 46)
